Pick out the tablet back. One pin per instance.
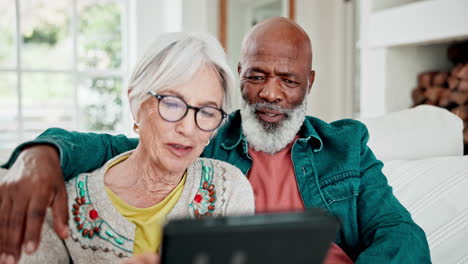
(286, 238)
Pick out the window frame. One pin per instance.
(74, 73)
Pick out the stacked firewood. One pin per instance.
(447, 89)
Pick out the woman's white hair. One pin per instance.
(173, 59)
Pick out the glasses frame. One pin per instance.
(196, 109)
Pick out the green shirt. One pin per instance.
(334, 168)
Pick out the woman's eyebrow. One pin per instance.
(203, 103)
(209, 103)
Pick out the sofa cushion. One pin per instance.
(418, 133)
(4, 155)
(435, 191)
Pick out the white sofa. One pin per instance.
(422, 151)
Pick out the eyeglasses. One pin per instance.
(173, 109)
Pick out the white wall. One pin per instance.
(323, 21)
(148, 19)
(200, 16)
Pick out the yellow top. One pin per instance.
(148, 221)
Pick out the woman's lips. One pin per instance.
(179, 150)
(270, 116)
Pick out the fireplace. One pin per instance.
(447, 89)
(403, 39)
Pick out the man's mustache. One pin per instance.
(271, 106)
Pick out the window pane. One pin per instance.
(9, 110)
(100, 103)
(47, 102)
(99, 34)
(7, 33)
(46, 34)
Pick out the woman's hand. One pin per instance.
(146, 258)
(32, 184)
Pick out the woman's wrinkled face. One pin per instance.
(173, 146)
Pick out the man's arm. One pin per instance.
(34, 182)
(79, 152)
(52, 248)
(388, 234)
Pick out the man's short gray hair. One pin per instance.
(173, 59)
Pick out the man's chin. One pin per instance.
(269, 127)
(270, 137)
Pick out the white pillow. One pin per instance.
(435, 191)
(418, 133)
(4, 155)
(3, 172)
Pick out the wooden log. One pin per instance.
(433, 94)
(462, 112)
(418, 95)
(445, 98)
(453, 82)
(425, 79)
(440, 79)
(460, 98)
(463, 86)
(463, 73)
(456, 70)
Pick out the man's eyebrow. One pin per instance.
(256, 69)
(286, 74)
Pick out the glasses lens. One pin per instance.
(172, 108)
(209, 118)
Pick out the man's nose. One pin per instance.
(272, 91)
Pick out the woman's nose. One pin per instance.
(187, 125)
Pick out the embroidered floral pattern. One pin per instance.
(86, 218)
(90, 225)
(203, 203)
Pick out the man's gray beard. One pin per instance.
(271, 137)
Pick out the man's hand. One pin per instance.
(32, 184)
(147, 258)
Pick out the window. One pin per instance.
(61, 65)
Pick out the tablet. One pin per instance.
(286, 238)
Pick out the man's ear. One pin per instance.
(311, 80)
(239, 68)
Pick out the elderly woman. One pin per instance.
(177, 93)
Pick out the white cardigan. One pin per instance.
(100, 234)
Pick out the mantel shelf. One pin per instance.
(423, 22)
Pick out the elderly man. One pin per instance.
(293, 161)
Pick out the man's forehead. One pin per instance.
(283, 48)
(268, 62)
